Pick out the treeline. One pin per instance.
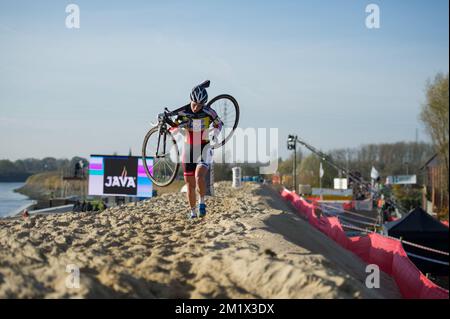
(400, 158)
(435, 117)
(389, 159)
(20, 170)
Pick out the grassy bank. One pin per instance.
(46, 185)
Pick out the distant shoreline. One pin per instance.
(12, 202)
(47, 185)
(15, 178)
(39, 186)
(31, 192)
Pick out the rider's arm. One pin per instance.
(180, 116)
(176, 122)
(217, 123)
(215, 120)
(181, 121)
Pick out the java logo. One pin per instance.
(121, 181)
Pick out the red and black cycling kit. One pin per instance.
(197, 150)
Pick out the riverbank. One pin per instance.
(44, 186)
(250, 245)
(10, 201)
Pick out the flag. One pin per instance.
(374, 173)
(321, 170)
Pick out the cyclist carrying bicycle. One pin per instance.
(199, 121)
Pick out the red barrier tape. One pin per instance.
(385, 252)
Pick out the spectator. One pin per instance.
(25, 214)
(81, 164)
(77, 169)
(77, 206)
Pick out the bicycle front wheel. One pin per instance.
(160, 156)
(227, 108)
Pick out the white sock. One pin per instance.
(193, 210)
(202, 200)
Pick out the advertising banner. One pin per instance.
(119, 176)
(333, 192)
(340, 183)
(401, 180)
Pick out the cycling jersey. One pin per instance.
(197, 124)
(197, 150)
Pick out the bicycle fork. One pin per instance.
(161, 132)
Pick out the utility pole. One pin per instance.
(294, 173)
(292, 145)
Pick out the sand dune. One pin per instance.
(250, 245)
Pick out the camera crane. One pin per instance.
(293, 140)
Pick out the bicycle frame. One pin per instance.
(162, 132)
(164, 121)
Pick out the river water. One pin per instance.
(9, 200)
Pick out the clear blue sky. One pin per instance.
(307, 67)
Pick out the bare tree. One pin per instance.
(434, 115)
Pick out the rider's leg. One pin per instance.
(201, 171)
(200, 174)
(190, 182)
(189, 178)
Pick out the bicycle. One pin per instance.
(163, 150)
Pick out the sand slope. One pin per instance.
(249, 246)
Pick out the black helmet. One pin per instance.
(199, 94)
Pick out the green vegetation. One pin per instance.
(435, 117)
(9, 172)
(389, 159)
(308, 172)
(48, 185)
(20, 170)
(399, 158)
(408, 197)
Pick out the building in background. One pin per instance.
(435, 197)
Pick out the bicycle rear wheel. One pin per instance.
(227, 108)
(160, 147)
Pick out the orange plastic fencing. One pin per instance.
(385, 252)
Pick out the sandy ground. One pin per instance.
(250, 245)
